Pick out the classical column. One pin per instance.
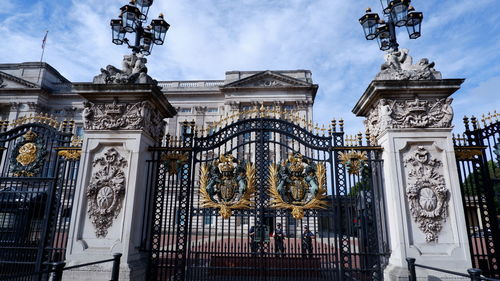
(121, 121)
(410, 117)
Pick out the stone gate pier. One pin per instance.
(120, 121)
(408, 112)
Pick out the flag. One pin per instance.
(44, 39)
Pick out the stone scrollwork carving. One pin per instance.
(2, 85)
(297, 184)
(399, 65)
(426, 192)
(137, 116)
(134, 71)
(387, 114)
(227, 184)
(106, 190)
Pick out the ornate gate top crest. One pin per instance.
(297, 184)
(28, 156)
(227, 184)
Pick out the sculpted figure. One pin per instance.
(140, 65)
(399, 65)
(447, 111)
(128, 63)
(385, 114)
(214, 180)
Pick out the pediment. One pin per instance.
(268, 79)
(13, 82)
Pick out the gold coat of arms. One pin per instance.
(297, 184)
(227, 184)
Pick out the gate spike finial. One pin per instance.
(466, 123)
(334, 125)
(341, 125)
(474, 122)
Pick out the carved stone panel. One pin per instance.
(426, 192)
(414, 113)
(106, 190)
(123, 116)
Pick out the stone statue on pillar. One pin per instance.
(399, 65)
(134, 71)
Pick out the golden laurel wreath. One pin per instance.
(317, 202)
(354, 160)
(225, 209)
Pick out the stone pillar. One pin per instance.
(411, 120)
(120, 123)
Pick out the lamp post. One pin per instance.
(132, 18)
(397, 13)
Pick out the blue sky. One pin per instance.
(209, 37)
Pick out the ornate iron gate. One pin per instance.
(216, 201)
(38, 171)
(478, 161)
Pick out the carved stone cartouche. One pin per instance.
(426, 192)
(123, 116)
(399, 65)
(106, 190)
(416, 113)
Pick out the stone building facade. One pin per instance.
(34, 88)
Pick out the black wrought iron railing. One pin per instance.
(475, 274)
(57, 269)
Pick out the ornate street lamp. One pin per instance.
(398, 13)
(131, 20)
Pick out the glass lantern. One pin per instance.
(129, 14)
(384, 36)
(369, 22)
(144, 8)
(146, 42)
(399, 11)
(414, 23)
(159, 27)
(117, 30)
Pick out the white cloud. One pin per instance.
(208, 38)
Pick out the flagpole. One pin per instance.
(41, 58)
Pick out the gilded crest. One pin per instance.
(297, 184)
(354, 160)
(28, 156)
(227, 184)
(174, 161)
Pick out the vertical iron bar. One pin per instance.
(411, 269)
(115, 273)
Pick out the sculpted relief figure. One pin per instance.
(399, 65)
(134, 71)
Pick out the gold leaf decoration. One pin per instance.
(225, 208)
(70, 154)
(317, 202)
(353, 160)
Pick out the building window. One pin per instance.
(185, 109)
(185, 131)
(288, 107)
(212, 109)
(246, 107)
